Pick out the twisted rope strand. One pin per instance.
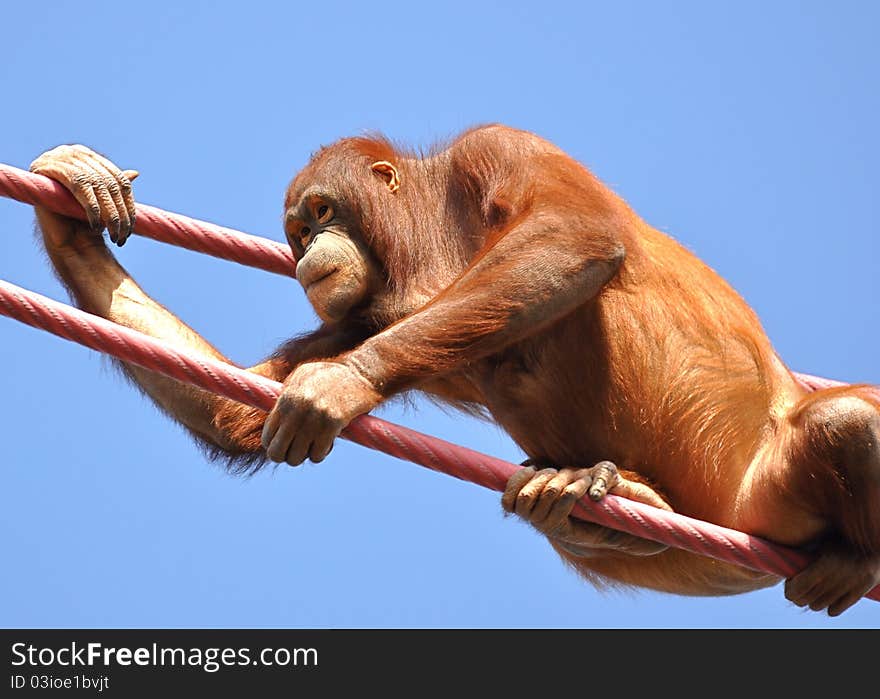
(164, 226)
(636, 518)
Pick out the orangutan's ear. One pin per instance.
(388, 172)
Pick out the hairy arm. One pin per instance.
(539, 271)
(100, 285)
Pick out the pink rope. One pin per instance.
(129, 345)
(164, 226)
(192, 234)
(232, 382)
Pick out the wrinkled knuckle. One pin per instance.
(550, 492)
(570, 492)
(523, 498)
(520, 478)
(516, 482)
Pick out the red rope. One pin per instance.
(164, 226)
(636, 518)
(642, 520)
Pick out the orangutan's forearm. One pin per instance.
(100, 285)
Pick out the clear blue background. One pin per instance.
(748, 130)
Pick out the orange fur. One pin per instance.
(659, 365)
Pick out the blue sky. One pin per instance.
(746, 130)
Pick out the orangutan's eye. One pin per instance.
(325, 213)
